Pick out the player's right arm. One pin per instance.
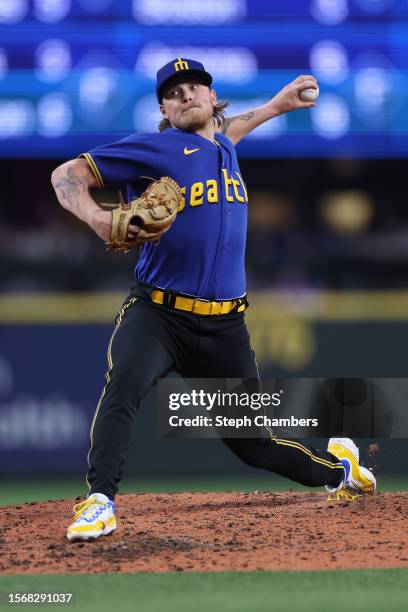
(72, 182)
(112, 165)
(285, 101)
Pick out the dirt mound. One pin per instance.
(212, 532)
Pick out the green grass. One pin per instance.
(336, 591)
(22, 490)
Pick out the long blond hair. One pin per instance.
(218, 115)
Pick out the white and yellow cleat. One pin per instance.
(95, 516)
(358, 480)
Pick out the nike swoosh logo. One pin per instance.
(188, 151)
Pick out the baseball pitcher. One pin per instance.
(186, 310)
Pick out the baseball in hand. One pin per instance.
(309, 95)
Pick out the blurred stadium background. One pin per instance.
(327, 249)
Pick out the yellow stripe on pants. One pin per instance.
(107, 376)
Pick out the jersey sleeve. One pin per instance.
(124, 161)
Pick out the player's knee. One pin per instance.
(253, 455)
(249, 460)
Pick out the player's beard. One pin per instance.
(193, 119)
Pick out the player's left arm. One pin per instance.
(285, 101)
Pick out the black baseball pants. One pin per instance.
(151, 340)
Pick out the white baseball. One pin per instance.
(309, 95)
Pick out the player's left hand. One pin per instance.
(147, 217)
(287, 99)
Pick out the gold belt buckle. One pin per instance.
(195, 300)
(216, 306)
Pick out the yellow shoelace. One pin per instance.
(342, 495)
(82, 506)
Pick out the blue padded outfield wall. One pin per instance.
(53, 361)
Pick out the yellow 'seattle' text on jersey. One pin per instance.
(203, 253)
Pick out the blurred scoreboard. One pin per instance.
(78, 73)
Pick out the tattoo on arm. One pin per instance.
(70, 186)
(228, 120)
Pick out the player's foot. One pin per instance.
(358, 480)
(95, 516)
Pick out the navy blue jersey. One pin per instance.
(203, 253)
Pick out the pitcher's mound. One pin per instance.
(211, 532)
